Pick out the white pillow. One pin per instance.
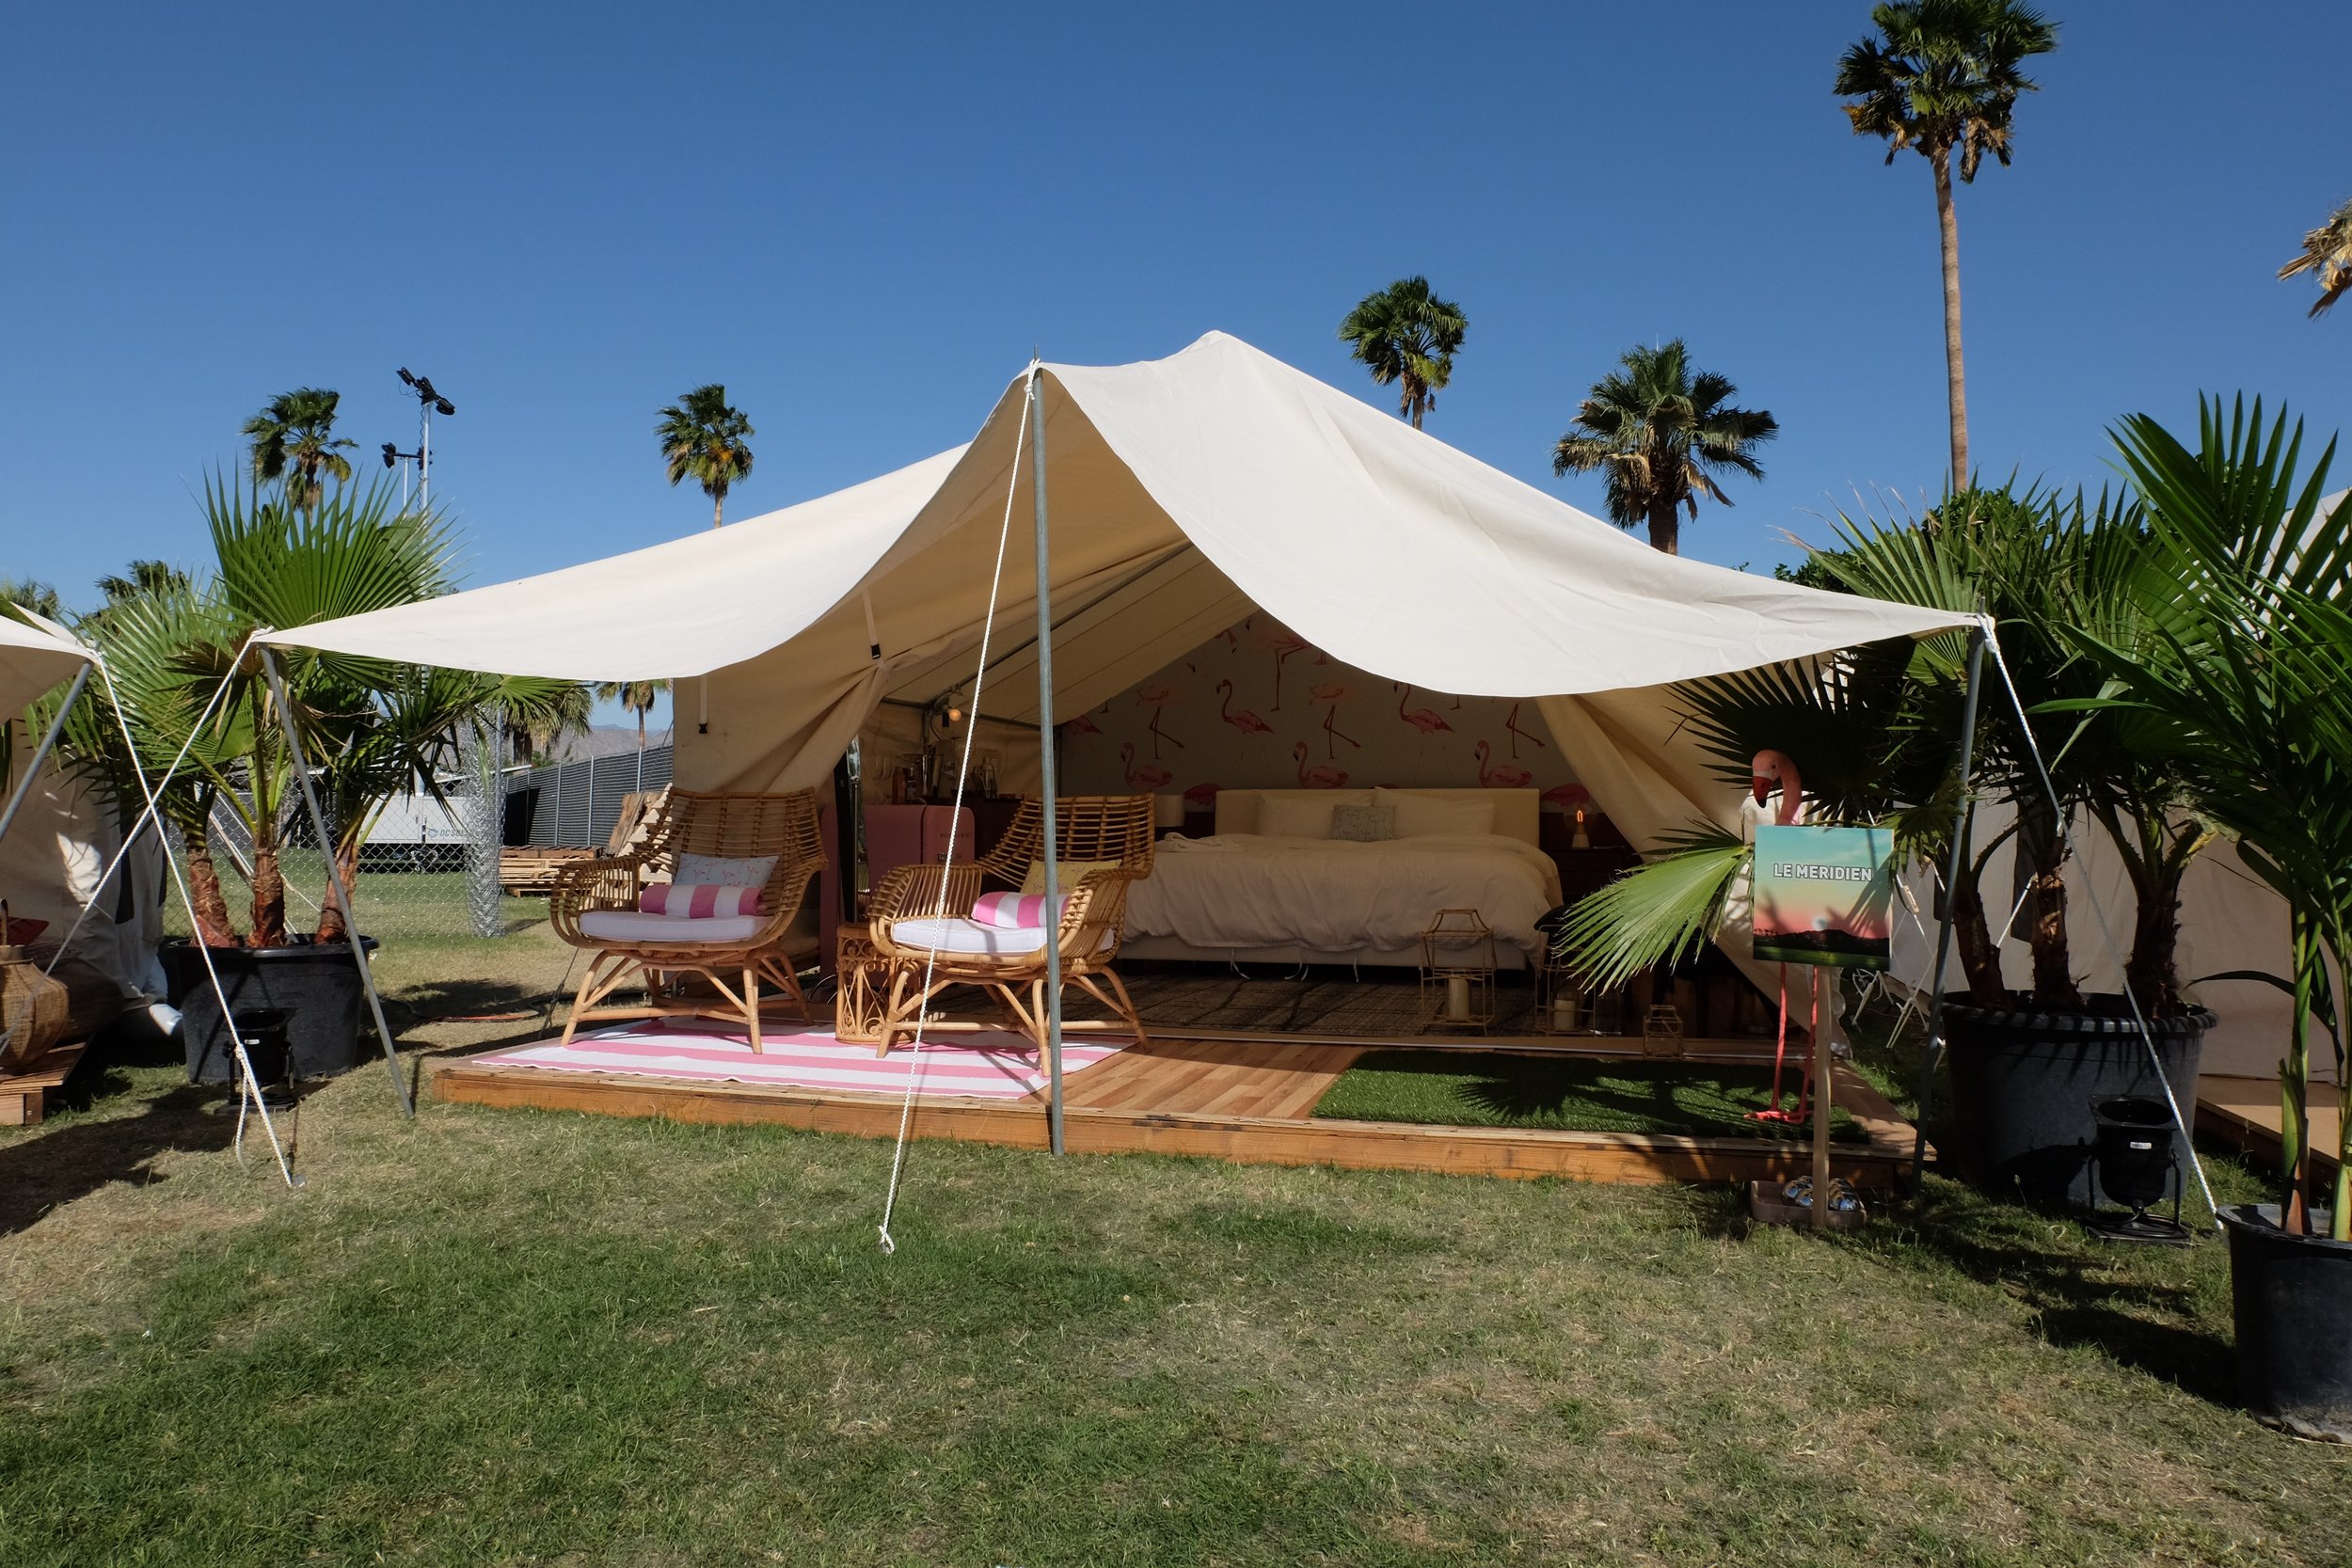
(725, 870)
(1295, 816)
(1422, 815)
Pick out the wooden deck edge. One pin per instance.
(1517, 1152)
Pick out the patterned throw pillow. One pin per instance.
(1363, 824)
(725, 870)
(699, 900)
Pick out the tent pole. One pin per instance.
(335, 888)
(41, 754)
(1934, 1048)
(1047, 781)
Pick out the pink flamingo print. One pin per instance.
(1082, 725)
(1201, 796)
(1500, 775)
(1149, 776)
(1321, 776)
(1427, 720)
(1333, 693)
(1567, 797)
(1281, 643)
(1772, 770)
(1158, 697)
(1511, 722)
(1246, 721)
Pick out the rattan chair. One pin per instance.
(594, 907)
(908, 932)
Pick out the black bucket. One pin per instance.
(315, 989)
(2292, 1298)
(2023, 1084)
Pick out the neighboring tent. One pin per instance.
(1182, 492)
(64, 834)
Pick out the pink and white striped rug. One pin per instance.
(987, 1064)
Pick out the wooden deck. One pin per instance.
(2245, 1111)
(24, 1094)
(1244, 1100)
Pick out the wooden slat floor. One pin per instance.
(2246, 1112)
(1247, 1101)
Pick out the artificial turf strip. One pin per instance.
(1577, 1094)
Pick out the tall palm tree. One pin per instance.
(1656, 428)
(703, 440)
(1408, 337)
(2327, 252)
(637, 696)
(295, 441)
(142, 576)
(1942, 78)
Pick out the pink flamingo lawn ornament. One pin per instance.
(1149, 776)
(1157, 698)
(1427, 720)
(1321, 776)
(1333, 693)
(1768, 772)
(1500, 775)
(1281, 643)
(1511, 722)
(1246, 721)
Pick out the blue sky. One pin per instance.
(862, 218)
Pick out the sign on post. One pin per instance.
(1824, 896)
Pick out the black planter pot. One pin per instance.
(2292, 1297)
(316, 988)
(2023, 1084)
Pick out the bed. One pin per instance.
(1249, 895)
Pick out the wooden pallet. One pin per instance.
(531, 873)
(25, 1095)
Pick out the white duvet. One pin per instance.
(1243, 890)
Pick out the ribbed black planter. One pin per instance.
(2023, 1083)
(2292, 1297)
(317, 987)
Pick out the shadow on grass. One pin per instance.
(40, 1173)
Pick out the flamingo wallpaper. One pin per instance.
(1256, 708)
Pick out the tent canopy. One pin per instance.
(35, 656)
(1183, 492)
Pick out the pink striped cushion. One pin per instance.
(699, 900)
(1011, 911)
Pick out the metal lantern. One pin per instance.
(1457, 972)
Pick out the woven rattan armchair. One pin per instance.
(594, 907)
(1112, 831)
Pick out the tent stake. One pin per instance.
(335, 877)
(1048, 782)
(41, 754)
(1961, 811)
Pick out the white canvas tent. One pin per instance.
(1183, 493)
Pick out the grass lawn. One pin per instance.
(1569, 1093)
(524, 1338)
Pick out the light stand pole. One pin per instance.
(1962, 813)
(429, 403)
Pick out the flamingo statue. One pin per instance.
(1500, 775)
(1157, 698)
(1149, 776)
(1427, 720)
(1511, 722)
(1246, 721)
(1321, 776)
(1333, 693)
(1770, 771)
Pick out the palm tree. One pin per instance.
(2327, 252)
(1408, 337)
(1941, 77)
(1657, 427)
(637, 696)
(295, 441)
(144, 577)
(703, 440)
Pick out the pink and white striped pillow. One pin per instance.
(699, 900)
(1012, 911)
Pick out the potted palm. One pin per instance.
(190, 681)
(2251, 590)
(1873, 731)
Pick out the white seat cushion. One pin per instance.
(661, 931)
(968, 936)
